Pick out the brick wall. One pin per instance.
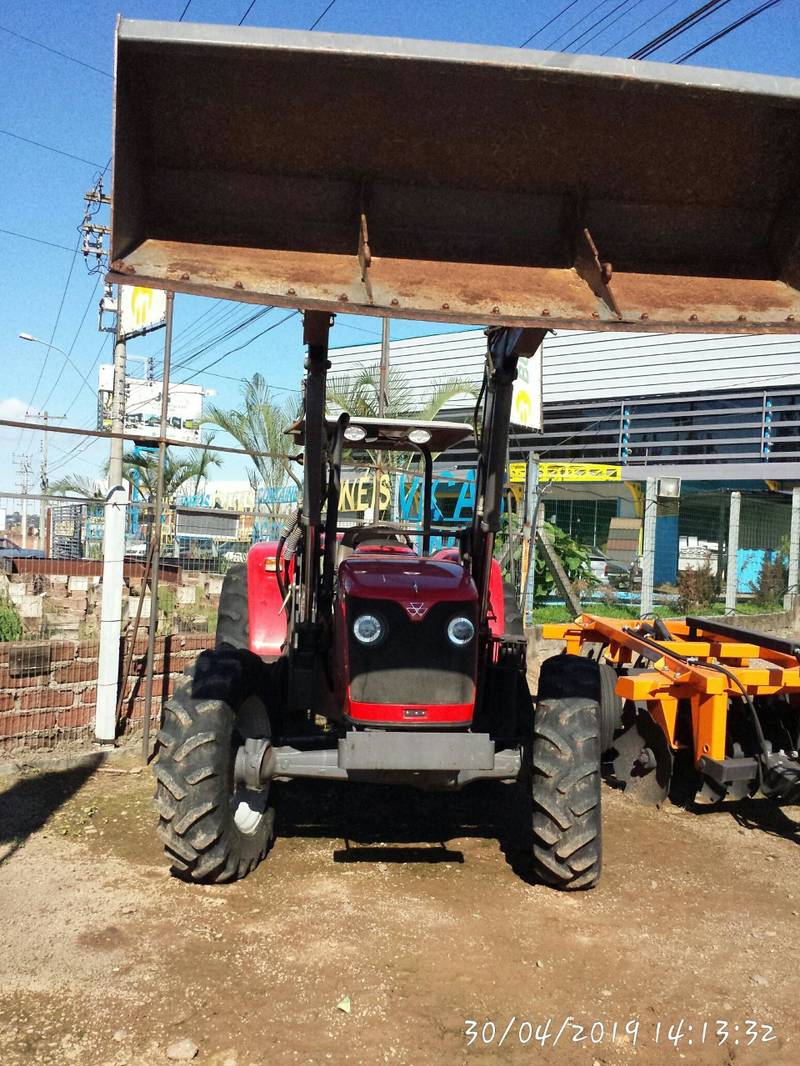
(48, 689)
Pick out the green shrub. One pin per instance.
(696, 589)
(10, 621)
(772, 581)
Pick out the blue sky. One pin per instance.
(46, 98)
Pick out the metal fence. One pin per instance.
(709, 549)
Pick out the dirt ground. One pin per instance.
(404, 902)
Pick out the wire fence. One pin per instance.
(698, 561)
(51, 575)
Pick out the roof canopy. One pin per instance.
(394, 434)
(453, 182)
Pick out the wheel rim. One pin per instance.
(248, 808)
(249, 805)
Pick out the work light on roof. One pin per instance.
(419, 436)
(355, 433)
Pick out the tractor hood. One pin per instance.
(416, 583)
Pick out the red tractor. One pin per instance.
(348, 654)
(450, 183)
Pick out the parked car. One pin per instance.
(611, 572)
(10, 550)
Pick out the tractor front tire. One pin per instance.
(565, 789)
(213, 829)
(233, 626)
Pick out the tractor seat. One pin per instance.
(379, 535)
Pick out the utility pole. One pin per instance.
(383, 388)
(23, 465)
(530, 528)
(732, 572)
(791, 598)
(155, 547)
(105, 727)
(44, 479)
(649, 547)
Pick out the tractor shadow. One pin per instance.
(392, 823)
(27, 805)
(769, 818)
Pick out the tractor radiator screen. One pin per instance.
(415, 662)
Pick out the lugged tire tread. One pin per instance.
(565, 785)
(194, 768)
(233, 623)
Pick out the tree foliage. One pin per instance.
(259, 425)
(179, 471)
(359, 395)
(574, 557)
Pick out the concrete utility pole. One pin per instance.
(383, 388)
(791, 598)
(732, 570)
(115, 513)
(23, 465)
(44, 479)
(649, 547)
(532, 498)
(155, 548)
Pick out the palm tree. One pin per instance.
(359, 395)
(143, 468)
(78, 485)
(258, 426)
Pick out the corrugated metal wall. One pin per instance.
(594, 366)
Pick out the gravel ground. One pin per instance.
(400, 906)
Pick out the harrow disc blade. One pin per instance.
(643, 763)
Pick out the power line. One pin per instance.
(232, 351)
(694, 18)
(56, 52)
(549, 22)
(67, 358)
(641, 26)
(598, 22)
(186, 8)
(55, 325)
(250, 7)
(575, 25)
(724, 32)
(49, 148)
(36, 240)
(319, 19)
(613, 22)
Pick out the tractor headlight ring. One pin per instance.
(460, 631)
(368, 629)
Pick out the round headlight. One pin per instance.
(460, 630)
(367, 629)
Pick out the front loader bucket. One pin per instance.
(442, 181)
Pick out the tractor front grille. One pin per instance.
(415, 663)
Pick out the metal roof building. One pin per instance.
(702, 406)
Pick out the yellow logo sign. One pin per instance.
(567, 472)
(141, 309)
